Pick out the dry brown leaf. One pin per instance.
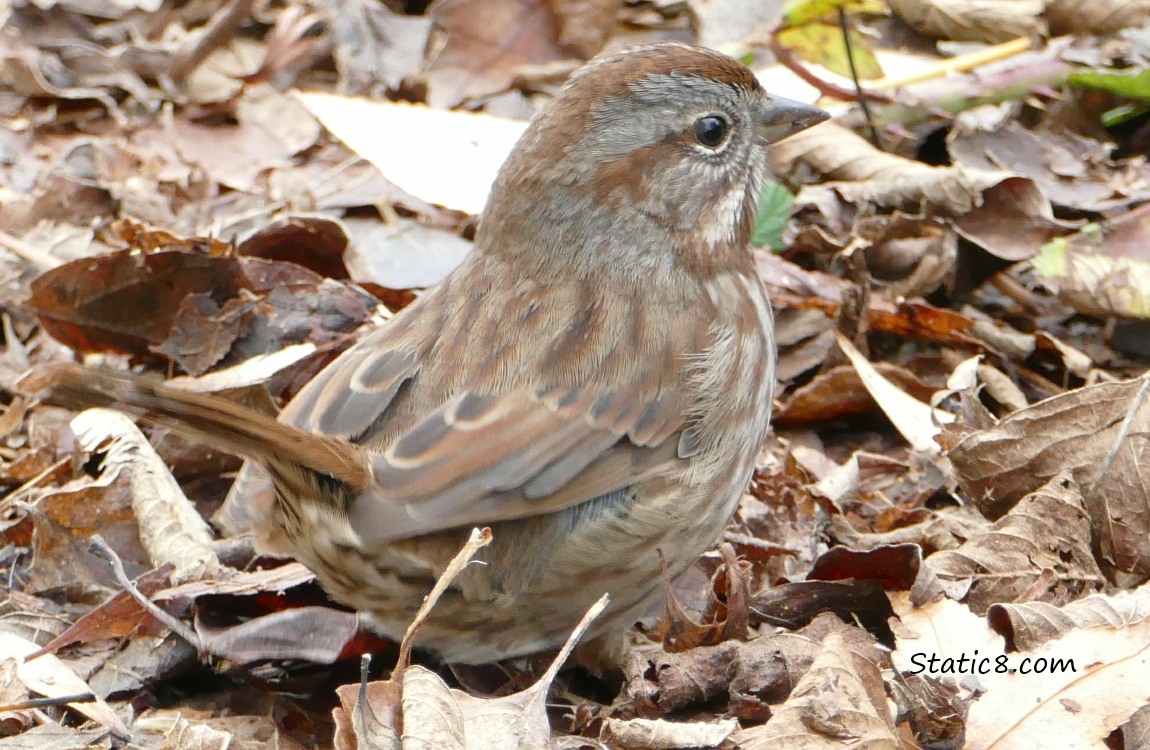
(270, 129)
(839, 701)
(748, 675)
(1040, 550)
(584, 26)
(840, 392)
(488, 42)
(1098, 433)
(1005, 214)
(1096, 16)
(989, 21)
(1074, 171)
(1027, 626)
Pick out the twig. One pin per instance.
(792, 63)
(100, 548)
(479, 539)
(218, 30)
(960, 64)
(60, 700)
(844, 26)
(26, 251)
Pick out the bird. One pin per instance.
(592, 383)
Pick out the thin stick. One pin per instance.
(844, 26)
(219, 29)
(26, 251)
(100, 547)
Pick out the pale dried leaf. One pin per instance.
(990, 21)
(1029, 625)
(437, 717)
(170, 527)
(1080, 707)
(50, 677)
(659, 734)
(1092, 281)
(942, 628)
(915, 421)
(446, 158)
(186, 735)
(252, 371)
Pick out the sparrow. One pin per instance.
(593, 382)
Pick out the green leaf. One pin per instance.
(822, 43)
(774, 209)
(796, 12)
(1127, 112)
(1134, 86)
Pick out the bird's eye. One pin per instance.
(711, 130)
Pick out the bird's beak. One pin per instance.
(783, 117)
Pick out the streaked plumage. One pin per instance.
(593, 382)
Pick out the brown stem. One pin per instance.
(792, 63)
(218, 30)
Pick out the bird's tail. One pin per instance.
(212, 420)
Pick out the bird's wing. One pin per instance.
(487, 458)
(487, 453)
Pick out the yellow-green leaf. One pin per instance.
(797, 12)
(822, 43)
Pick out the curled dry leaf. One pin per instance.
(170, 527)
(989, 21)
(1095, 17)
(934, 710)
(1028, 625)
(748, 675)
(658, 734)
(1098, 433)
(1040, 550)
(1003, 213)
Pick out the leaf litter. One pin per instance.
(230, 195)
